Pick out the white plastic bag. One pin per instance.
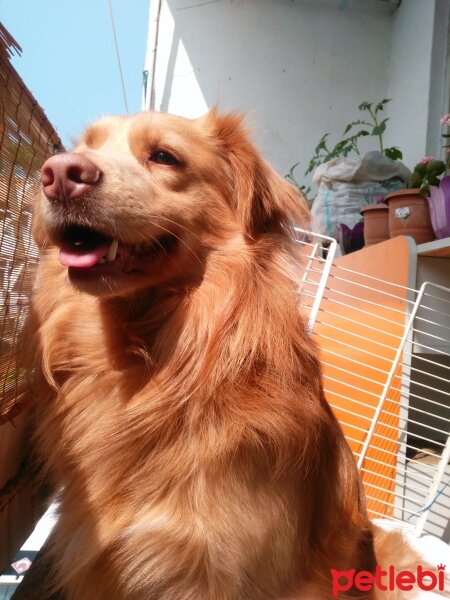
(346, 185)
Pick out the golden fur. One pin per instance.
(182, 415)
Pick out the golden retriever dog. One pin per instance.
(179, 407)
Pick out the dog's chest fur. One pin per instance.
(156, 508)
(176, 482)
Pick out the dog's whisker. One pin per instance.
(179, 225)
(185, 244)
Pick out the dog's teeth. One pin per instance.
(112, 251)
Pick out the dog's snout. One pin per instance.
(68, 176)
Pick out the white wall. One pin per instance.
(298, 67)
(417, 78)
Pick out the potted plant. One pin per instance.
(439, 194)
(409, 213)
(348, 180)
(439, 204)
(425, 207)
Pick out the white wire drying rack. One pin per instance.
(386, 358)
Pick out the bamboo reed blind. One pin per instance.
(26, 139)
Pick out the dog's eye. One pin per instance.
(161, 157)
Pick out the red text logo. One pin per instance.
(388, 579)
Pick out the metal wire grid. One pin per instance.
(386, 357)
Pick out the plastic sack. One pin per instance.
(346, 185)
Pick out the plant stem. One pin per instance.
(380, 136)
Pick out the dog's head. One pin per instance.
(142, 200)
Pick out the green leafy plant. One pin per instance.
(427, 172)
(429, 169)
(305, 191)
(445, 121)
(371, 125)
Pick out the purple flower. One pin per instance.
(351, 240)
(439, 203)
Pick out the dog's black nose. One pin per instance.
(68, 176)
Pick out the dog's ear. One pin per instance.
(264, 201)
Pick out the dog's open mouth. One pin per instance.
(85, 248)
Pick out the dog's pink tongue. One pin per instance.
(71, 257)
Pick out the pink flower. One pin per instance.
(445, 119)
(426, 159)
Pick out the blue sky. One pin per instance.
(69, 60)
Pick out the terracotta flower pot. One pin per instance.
(409, 215)
(376, 223)
(439, 203)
